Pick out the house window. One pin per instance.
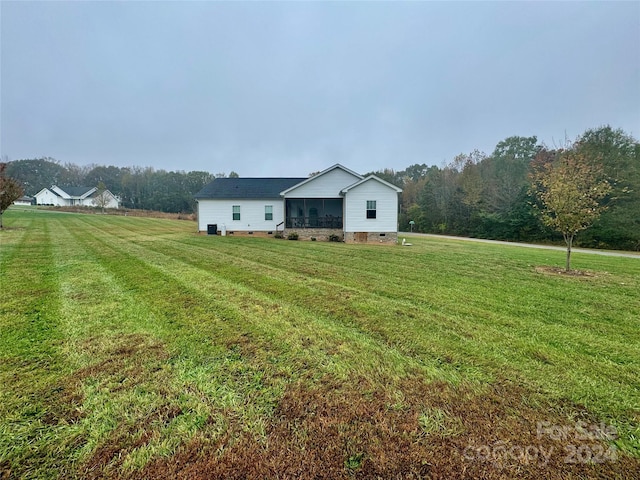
(268, 212)
(236, 212)
(371, 209)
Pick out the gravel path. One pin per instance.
(607, 253)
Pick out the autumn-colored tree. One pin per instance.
(10, 190)
(570, 188)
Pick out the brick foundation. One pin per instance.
(371, 237)
(320, 234)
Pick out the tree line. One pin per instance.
(478, 195)
(494, 196)
(137, 187)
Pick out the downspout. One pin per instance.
(197, 216)
(284, 211)
(344, 215)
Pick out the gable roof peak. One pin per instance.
(374, 178)
(340, 166)
(323, 172)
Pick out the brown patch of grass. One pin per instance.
(107, 458)
(360, 430)
(123, 358)
(562, 272)
(131, 361)
(63, 403)
(122, 363)
(5, 470)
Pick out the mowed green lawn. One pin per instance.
(134, 348)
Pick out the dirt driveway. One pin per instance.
(607, 253)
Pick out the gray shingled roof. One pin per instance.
(75, 191)
(247, 187)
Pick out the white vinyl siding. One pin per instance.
(110, 201)
(220, 212)
(386, 208)
(324, 186)
(47, 197)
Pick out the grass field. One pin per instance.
(134, 348)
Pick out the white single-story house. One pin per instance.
(24, 200)
(76, 196)
(336, 201)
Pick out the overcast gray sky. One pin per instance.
(284, 89)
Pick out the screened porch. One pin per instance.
(313, 213)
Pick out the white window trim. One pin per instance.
(373, 203)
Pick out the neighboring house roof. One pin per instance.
(373, 178)
(77, 191)
(306, 180)
(246, 187)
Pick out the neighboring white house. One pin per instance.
(76, 196)
(24, 200)
(336, 201)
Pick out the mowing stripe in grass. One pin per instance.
(281, 324)
(563, 345)
(580, 343)
(30, 366)
(174, 336)
(125, 348)
(555, 347)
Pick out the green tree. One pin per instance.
(437, 199)
(36, 174)
(10, 190)
(111, 176)
(415, 172)
(570, 189)
(504, 189)
(505, 173)
(619, 153)
(74, 175)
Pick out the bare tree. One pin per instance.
(102, 197)
(10, 190)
